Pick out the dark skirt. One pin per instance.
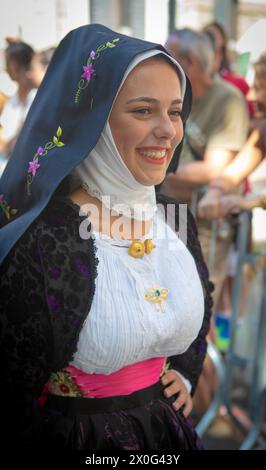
(144, 420)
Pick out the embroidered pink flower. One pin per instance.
(40, 150)
(1, 198)
(88, 71)
(33, 167)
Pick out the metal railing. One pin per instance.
(224, 366)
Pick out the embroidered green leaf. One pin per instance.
(55, 140)
(109, 44)
(8, 211)
(59, 132)
(60, 144)
(116, 40)
(101, 48)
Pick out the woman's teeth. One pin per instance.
(154, 154)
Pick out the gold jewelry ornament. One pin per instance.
(157, 295)
(149, 245)
(137, 248)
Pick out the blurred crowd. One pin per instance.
(26, 68)
(225, 141)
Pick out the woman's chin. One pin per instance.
(151, 180)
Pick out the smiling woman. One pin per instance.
(103, 335)
(145, 120)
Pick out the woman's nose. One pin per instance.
(165, 128)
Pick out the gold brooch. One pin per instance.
(137, 248)
(157, 295)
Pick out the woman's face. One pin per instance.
(36, 71)
(145, 120)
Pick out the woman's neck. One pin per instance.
(105, 221)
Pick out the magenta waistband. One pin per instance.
(125, 381)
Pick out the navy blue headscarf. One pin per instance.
(65, 122)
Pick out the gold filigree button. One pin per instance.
(137, 248)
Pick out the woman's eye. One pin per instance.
(142, 111)
(176, 112)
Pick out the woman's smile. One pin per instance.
(154, 155)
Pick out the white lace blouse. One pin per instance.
(122, 326)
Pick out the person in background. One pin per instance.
(223, 63)
(215, 203)
(222, 60)
(18, 56)
(39, 65)
(222, 200)
(216, 130)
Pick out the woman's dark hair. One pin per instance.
(211, 37)
(208, 29)
(21, 53)
(219, 27)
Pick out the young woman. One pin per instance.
(104, 309)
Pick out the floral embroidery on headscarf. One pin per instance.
(88, 70)
(8, 211)
(34, 165)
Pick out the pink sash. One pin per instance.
(125, 381)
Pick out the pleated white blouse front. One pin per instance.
(122, 327)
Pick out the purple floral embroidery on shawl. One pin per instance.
(81, 266)
(56, 272)
(88, 70)
(54, 303)
(34, 165)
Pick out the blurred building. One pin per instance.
(235, 15)
(248, 13)
(43, 23)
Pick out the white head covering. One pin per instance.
(104, 174)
